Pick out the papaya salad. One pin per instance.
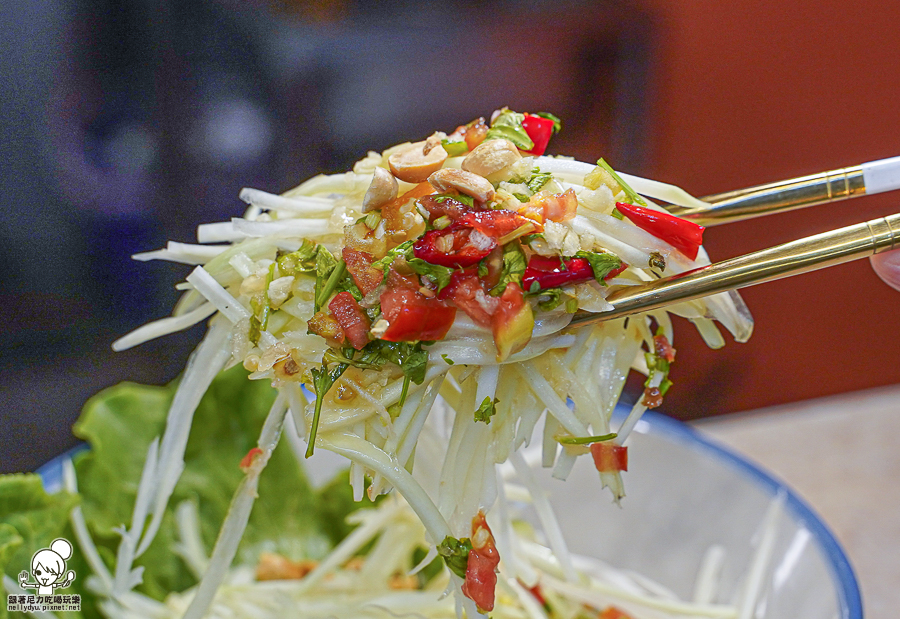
(429, 290)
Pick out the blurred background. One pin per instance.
(126, 123)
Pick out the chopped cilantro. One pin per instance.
(538, 180)
(585, 440)
(514, 264)
(447, 359)
(456, 554)
(603, 263)
(301, 261)
(486, 410)
(323, 379)
(438, 274)
(456, 197)
(262, 307)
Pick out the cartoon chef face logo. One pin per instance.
(48, 568)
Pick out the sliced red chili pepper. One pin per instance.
(552, 272)
(462, 250)
(413, 316)
(609, 457)
(352, 318)
(540, 130)
(683, 235)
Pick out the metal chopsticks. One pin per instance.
(793, 258)
(795, 193)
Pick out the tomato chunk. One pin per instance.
(359, 264)
(481, 575)
(609, 457)
(513, 322)
(412, 316)
(611, 612)
(466, 292)
(352, 318)
(496, 223)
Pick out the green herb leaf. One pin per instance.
(323, 380)
(514, 264)
(603, 263)
(404, 249)
(297, 262)
(447, 359)
(585, 440)
(455, 197)
(456, 554)
(438, 274)
(486, 410)
(538, 180)
(508, 126)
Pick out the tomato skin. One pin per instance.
(609, 457)
(463, 292)
(611, 612)
(481, 574)
(540, 130)
(359, 264)
(663, 348)
(413, 316)
(352, 318)
(463, 254)
(496, 223)
(683, 235)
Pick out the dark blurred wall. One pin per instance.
(748, 92)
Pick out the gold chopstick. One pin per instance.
(801, 256)
(795, 193)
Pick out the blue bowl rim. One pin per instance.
(849, 596)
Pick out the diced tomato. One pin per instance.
(325, 325)
(475, 132)
(683, 235)
(609, 457)
(663, 348)
(393, 211)
(653, 397)
(481, 575)
(536, 592)
(359, 264)
(454, 246)
(611, 612)
(247, 461)
(553, 206)
(512, 323)
(540, 130)
(496, 223)
(413, 316)
(446, 205)
(552, 272)
(467, 292)
(352, 318)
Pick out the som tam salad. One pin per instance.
(427, 293)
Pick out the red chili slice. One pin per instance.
(453, 247)
(352, 318)
(609, 457)
(496, 223)
(540, 130)
(552, 272)
(413, 317)
(683, 235)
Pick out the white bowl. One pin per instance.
(685, 494)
